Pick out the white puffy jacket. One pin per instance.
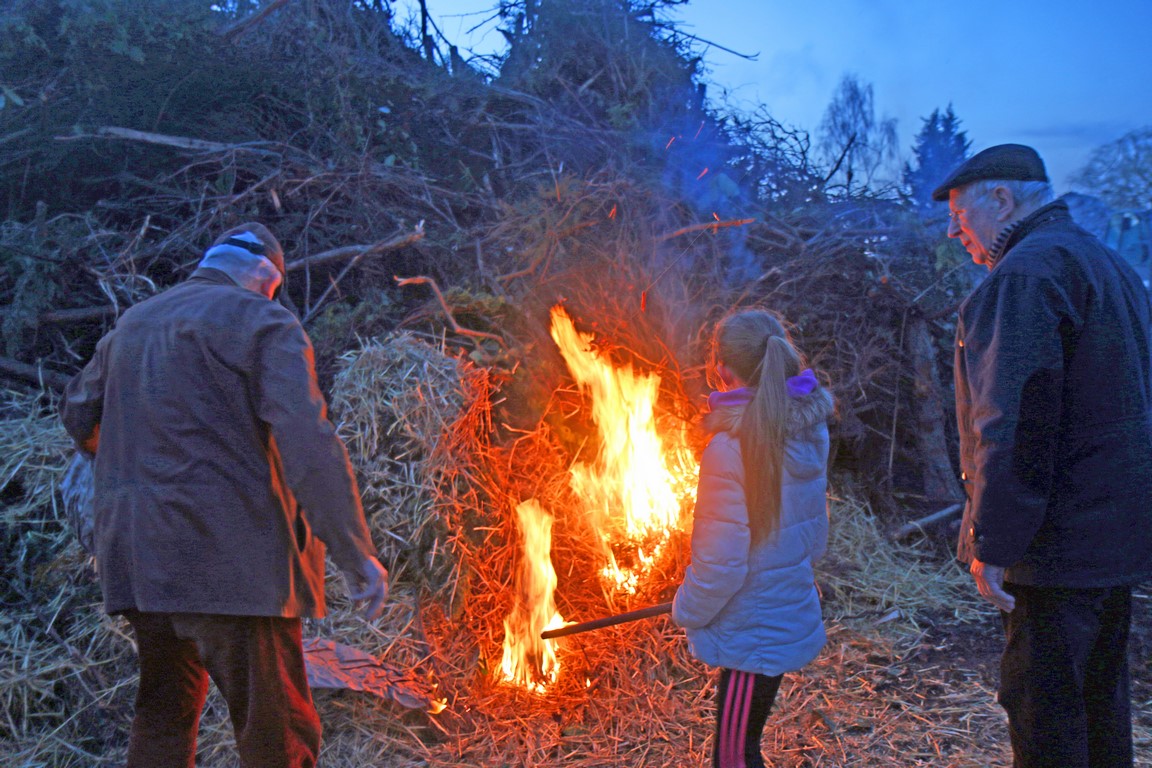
(750, 606)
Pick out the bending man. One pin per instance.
(217, 478)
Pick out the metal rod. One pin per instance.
(607, 621)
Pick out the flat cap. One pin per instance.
(1003, 162)
(255, 238)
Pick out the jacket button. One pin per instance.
(960, 342)
(964, 476)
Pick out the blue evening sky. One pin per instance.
(1062, 75)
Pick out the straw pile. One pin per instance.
(904, 681)
(627, 695)
(65, 668)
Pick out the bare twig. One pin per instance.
(379, 248)
(180, 142)
(356, 251)
(713, 225)
(68, 316)
(840, 160)
(32, 373)
(456, 327)
(239, 28)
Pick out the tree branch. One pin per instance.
(456, 327)
(181, 142)
(356, 251)
(840, 160)
(32, 373)
(364, 251)
(919, 526)
(242, 26)
(714, 226)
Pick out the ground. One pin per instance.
(908, 678)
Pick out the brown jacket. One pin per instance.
(218, 473)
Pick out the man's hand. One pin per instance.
(990, 583)
(369, 583)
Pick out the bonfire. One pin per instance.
(493, 545)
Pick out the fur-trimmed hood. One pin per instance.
(804, 412)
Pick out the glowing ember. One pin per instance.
(633, 490)
(528, 660)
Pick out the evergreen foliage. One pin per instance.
(939, 147)
(78, 66)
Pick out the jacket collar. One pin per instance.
(1014, 233)
(211, 275)
(804, 409)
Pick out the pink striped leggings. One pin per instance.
(743, 700)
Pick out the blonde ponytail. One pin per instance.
(756, 347)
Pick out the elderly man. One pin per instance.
(217, 477)
(1053, 404)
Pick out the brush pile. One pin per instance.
(893, 680)
(433, 211)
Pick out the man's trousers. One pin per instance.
(1064, 677)
(257, 663)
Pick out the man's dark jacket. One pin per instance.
(213, 441)
(1054, 407)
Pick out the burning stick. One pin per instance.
(607, 621)
(714, 226)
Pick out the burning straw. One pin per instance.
(890, 689)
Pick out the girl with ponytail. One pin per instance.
(749, 602)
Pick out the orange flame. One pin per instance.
(528, 660)
(633, 491)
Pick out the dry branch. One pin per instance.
(456, 327)
(79, 315)
(714, 226)
(356, 251)
(180, 142)
(68, 316)
(419, 233)
(920, 525)
(32, 373)
(240, 27)
(608, 621)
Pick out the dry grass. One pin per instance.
(897, 684)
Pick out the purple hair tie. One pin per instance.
(802, 384)
(731, 398)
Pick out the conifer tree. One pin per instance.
(939, 147)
